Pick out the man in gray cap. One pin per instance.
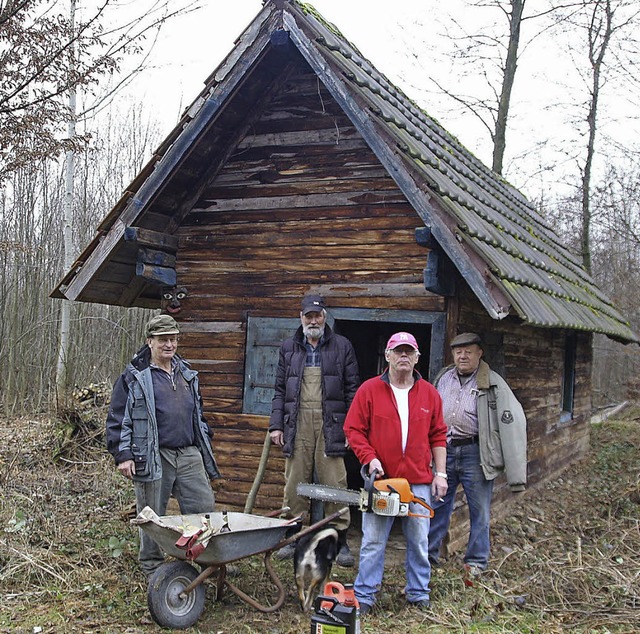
(157, 434)
(316, 380)
(487, 434)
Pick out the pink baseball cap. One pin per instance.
(402, 339)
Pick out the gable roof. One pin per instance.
(497, 240)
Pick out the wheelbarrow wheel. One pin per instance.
(168, 604)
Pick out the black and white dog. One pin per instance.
(312, 561)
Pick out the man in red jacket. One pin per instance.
(395, 427)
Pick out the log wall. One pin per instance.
(301, 205)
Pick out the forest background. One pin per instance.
(545, 91)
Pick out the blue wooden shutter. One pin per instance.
(264, 336)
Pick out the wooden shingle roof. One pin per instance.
(497, 240)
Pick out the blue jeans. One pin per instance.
(375, 533)
(463, 467)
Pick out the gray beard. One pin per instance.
(313, 332)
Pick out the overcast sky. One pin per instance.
(407, 40)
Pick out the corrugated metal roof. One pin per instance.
(544, 282)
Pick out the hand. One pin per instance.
(376, 465)
(127, 468)
(277, 437)
(439, 488)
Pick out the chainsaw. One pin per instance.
(390, 497)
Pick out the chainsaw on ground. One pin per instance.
(390, 497)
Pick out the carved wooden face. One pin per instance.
(171, 298)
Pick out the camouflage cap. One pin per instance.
(162, 325)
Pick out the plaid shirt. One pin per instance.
(313, 354)
(459, 404)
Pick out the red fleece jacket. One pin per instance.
(373, 430)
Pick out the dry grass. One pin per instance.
(567, 559)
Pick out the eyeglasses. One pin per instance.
(402, 351)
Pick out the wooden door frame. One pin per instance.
(436, 320)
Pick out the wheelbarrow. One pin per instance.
(176, 594)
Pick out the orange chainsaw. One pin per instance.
(390, 497)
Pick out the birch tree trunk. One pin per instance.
(67, 232)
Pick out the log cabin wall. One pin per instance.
(301, 205)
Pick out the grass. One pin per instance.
(566, 560)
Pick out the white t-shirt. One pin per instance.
(402, 400)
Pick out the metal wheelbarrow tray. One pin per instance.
(176, 596)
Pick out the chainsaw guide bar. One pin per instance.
(390, 497)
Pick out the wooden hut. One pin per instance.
(300, 168)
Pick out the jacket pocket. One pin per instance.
(142, 466)
(495, 457)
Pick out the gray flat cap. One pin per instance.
(466, 339)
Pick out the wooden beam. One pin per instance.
(157, 274)
(95, 261)
(425, 238)
(211, 326)
(150, 238)
(159, 258)
(439, 274)
(133, 290)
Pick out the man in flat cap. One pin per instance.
(316, 380)
(487, 435)
(157, 434)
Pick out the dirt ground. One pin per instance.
(567, 558)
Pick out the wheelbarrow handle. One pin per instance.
(313, 527)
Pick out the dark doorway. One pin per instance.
(369, 339)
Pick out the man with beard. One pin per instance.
(316, 380)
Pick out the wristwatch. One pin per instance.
(439, 473)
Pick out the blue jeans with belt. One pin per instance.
(463, 467)
(375, 534)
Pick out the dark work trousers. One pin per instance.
(184, 477)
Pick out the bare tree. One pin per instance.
(514, 19)
(36, 71)
(492, 52)
(67, 228)
(101, 338)
(606, 32)
(615, 201)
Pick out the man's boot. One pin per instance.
(345, 558)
